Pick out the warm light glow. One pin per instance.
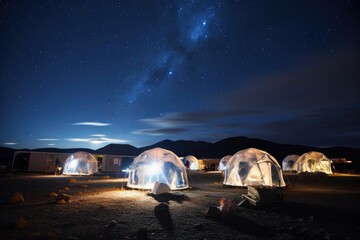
(222, 166)
(80, 163)
(73, 164)
(153, 169)
(193, 166)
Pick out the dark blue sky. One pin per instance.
(90, 73)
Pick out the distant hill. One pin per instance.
(123, 149)
(202, 149)
(182, 147)
(65, 150)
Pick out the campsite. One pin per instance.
(314, 206)
(159, 195)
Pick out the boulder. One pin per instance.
(16, 198)
(61, 201)
(64, 197)
(72, 180)
(20, 223)
(53, 194)
(213, 212)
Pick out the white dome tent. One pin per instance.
(289, 161)
(157, 165)
(80, 163)
(253, 167)
(223, 162)
(313, 162)
(194, 163)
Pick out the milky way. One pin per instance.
(86, 74)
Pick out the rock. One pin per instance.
(64, 197)
(111, 225)
(162, 207)
(16, 198)
(213, 212)
(199, 227)
(53, 194)
(61, 201)
(20, 223)
(72, 180)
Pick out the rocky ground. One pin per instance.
(100, 207)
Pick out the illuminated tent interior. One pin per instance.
(194, 163)
(223, 162)
(80, 163)
(253, 167)
(157, 165)
(313, 162)
(289, 161)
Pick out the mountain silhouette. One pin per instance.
(201, 149)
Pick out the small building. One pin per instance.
(43, 162)
(113, 163)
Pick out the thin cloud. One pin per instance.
(97, 135)
(10, 143)
(99, 140)
(48, 139)
(159, 131)
(176, 119)
(96, 124)
(178, 122)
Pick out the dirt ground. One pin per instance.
(314, 207)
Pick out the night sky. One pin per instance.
(90, 73)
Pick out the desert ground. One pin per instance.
(101, 207)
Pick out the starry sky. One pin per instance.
(91, 73)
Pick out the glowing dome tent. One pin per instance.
(289, 161)
(313, 162)
(223, 162)
(157, 165)
(253, 167)
(194, 163)
(80, 163)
